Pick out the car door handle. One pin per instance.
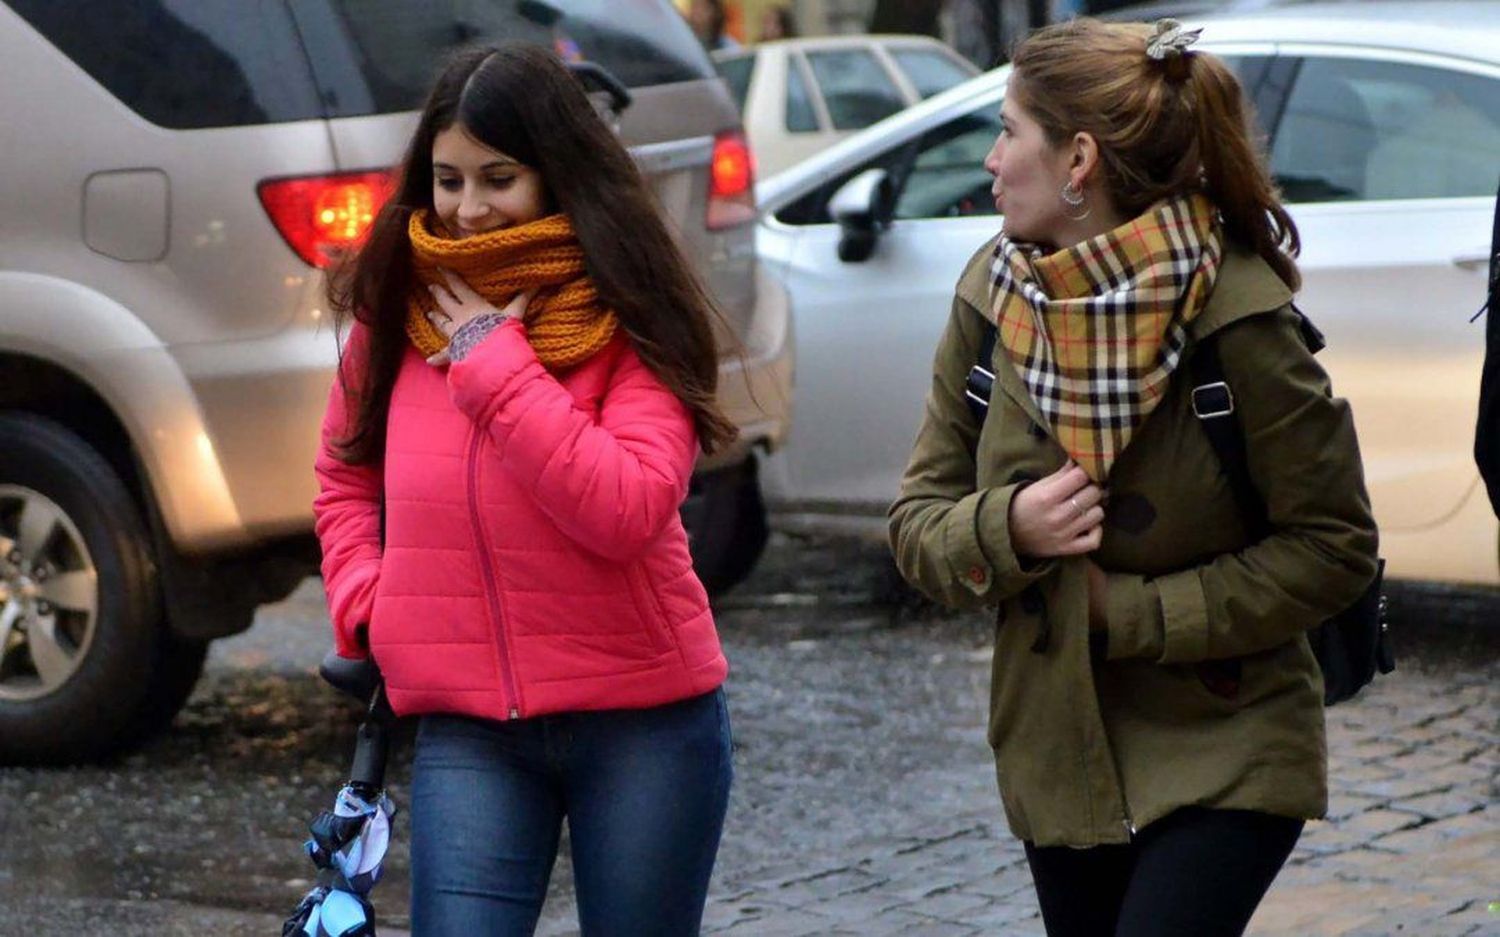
(1476, 260)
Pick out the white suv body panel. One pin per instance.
(1392, 283)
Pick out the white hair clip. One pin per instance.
(1170, 39)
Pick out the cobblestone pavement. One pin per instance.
(1411, 846)
(918, 845)
(863, 804)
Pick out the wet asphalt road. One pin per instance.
(858, 721)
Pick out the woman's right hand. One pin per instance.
(1061, 515)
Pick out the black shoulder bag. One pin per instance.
(1352, 645)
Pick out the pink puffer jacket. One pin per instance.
(534, 560)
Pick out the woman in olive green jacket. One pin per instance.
(1156, 713)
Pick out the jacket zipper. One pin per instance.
(509, 689)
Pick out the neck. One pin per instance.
(1100, 220)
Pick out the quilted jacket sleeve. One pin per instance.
(347, 511)
(612, 481)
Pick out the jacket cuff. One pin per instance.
(1132, 617)
(350, 606)
(481, 380)
(1184, 610)
(979, 549)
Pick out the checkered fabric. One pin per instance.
(1096, 330)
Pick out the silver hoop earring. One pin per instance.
(1072, 197)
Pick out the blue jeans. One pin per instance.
(644, 792)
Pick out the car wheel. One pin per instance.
(178, 665)
(80, 619)
(726, 524)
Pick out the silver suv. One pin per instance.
(175, 175)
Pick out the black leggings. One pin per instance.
(1195, 873)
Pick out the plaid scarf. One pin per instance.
(1096, 330)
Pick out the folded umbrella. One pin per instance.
(349, 842)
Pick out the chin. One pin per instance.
(1013, 230)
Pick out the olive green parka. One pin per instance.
(1205, 691)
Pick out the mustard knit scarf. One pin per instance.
(1095, 331)
(564, 321)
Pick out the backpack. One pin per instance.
(1352, 645)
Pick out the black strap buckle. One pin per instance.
(1211, 401)
(979, 387)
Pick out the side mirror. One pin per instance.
(861, 207)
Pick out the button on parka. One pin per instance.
(1206, 691)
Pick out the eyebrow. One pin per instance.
(492, 164)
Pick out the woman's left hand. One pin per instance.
(1098, 592)
(458, 305)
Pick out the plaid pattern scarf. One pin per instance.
(1096, 330)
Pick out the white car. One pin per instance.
(1384, 123)
(799, 96)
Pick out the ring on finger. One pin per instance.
(1077, 508)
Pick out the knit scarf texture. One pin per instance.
(564, 321)
(1095, 331)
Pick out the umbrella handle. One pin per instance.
(367, 773)
(359, 677)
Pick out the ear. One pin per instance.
(1083, 159)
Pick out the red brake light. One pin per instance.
(731, 193)
(319, 216)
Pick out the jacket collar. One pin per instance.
(1247, 286)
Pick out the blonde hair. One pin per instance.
(1164, 127)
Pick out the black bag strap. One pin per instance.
(1213, 405)
(981, 381)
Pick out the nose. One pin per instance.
(471, 207)
(992, 158)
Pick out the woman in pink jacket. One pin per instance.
(528, 378)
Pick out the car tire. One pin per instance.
(179, 664)
(725, 519)
(65, 515)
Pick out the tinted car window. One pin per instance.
(855, 87)
(736, 74)
(187, 64)
(800, 117)
(929, 72)
(380, 56)
(947, 177)
(1361, 129)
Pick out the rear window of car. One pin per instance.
(929, 72)
(856, 89)
(187, 64)
(380, 56)
(736, 73)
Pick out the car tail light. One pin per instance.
(731, 192)
(319, 216)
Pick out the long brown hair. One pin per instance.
(519, 99)
(1164, 127)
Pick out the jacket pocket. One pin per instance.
(1221, 677)
(1204, 689)
(648, 609)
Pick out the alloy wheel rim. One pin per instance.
(49, 595)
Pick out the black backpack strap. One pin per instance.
(1213, 405)
(981, 382)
